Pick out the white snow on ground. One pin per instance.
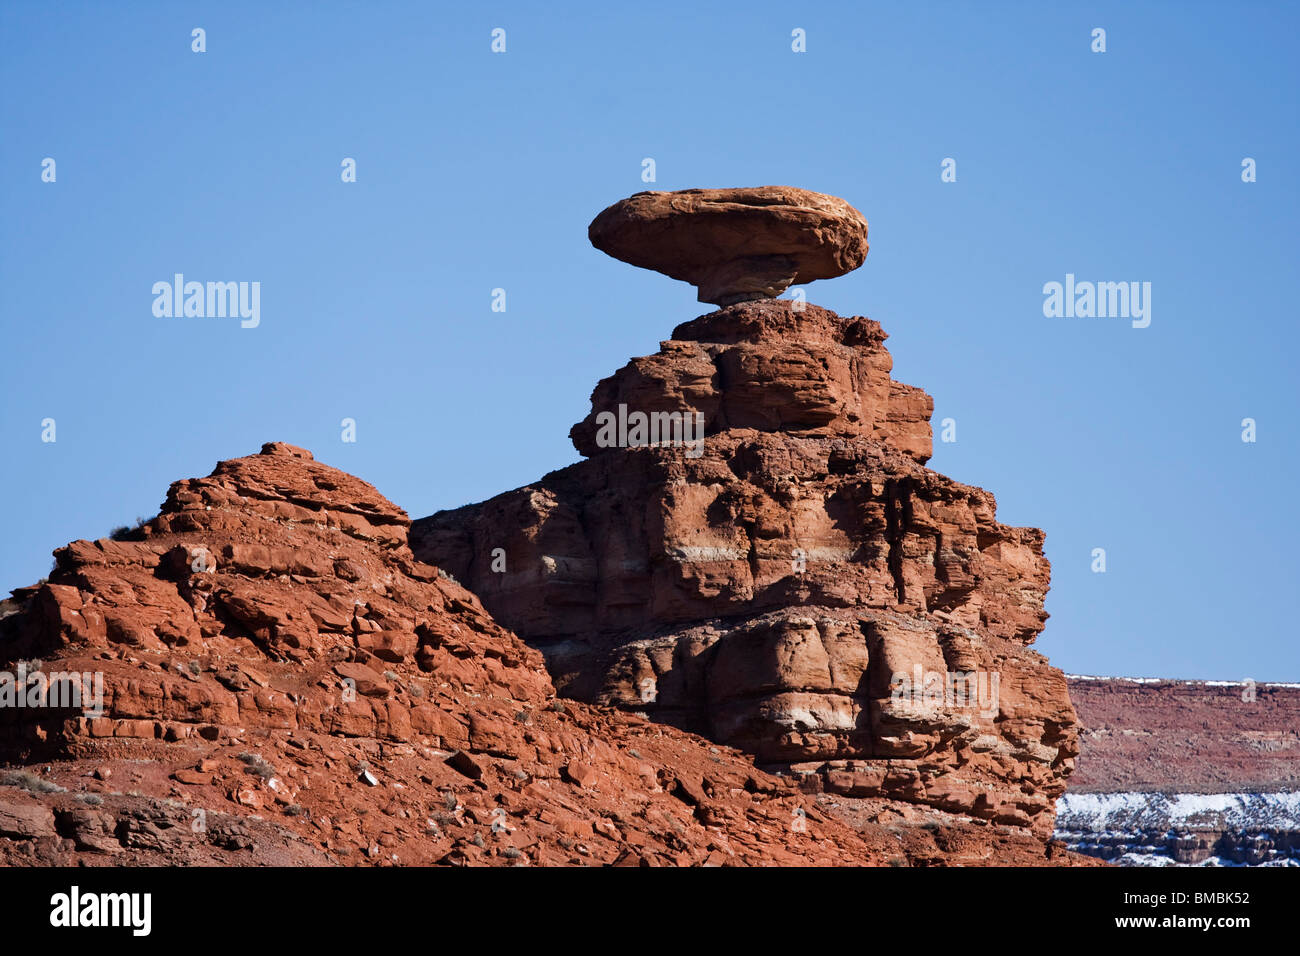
(1127, 812)
(1140, 829)
(1159, 859)
(1177, 680)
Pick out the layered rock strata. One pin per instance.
(269, 676)
(1187, 772)
(795, 583)
(1180, 736)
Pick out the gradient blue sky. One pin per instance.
(478, 171)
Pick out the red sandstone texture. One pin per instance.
(1186, 736)
(767, 586)
(284, 683)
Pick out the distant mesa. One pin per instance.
(735, 245)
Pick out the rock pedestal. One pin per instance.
(273, 653)
(800, 585)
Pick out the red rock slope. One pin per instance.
(283, 683)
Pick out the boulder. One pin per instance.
(735, 244)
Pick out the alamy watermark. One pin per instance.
(31, 688)
(1102, 300)
(212, 300)
(73, 909)
(952, 690)
(638, 429)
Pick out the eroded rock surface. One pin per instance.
(284, 683)
(768, 586)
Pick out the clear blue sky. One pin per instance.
(478, 170)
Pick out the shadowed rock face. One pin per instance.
(735, 244)
(768, 587)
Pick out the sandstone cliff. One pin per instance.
(767, 585)
(271, 677)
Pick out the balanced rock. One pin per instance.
(735, 244)
(788, 578)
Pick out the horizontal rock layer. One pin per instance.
(1189, 772)
(775, 367)
(1163, 828)
(282, 682)
(767, 586)
(1186, 736)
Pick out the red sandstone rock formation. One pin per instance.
(283, 683)
(768, 585)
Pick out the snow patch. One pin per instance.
(1176, 680)
(1127, 811)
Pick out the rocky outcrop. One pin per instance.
(269, 644)
(779, 367)
(735, 244)
(776, 569)
(269, 676)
